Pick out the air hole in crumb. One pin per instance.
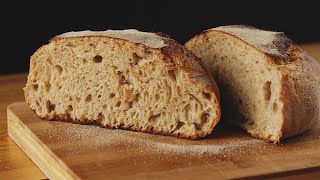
(137, 97)
(136, 58)
(88, 98)
(154, 118)
(100, 117)
(69, 108)
(204, 118)
(172, 75)
(50, 107)
(99, 96)
(84, 61)
(104, 106)
(196, 106)
(207, 95)
(187, 112)
(112, 95)
(267, 90)
(97, 59)
(179, 125)
(198, 126)
(35, 86)
(37, 103)
(58, 68)
(130, 104)
(118, 104)
(157, 96)
(275, 107)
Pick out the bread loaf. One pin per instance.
(269, 86)
(123, 79)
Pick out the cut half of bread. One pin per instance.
(269, 86)
(123, 79)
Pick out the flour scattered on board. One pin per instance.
(128, 141)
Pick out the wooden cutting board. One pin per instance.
(71, 151)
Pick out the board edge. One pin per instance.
(16, 127)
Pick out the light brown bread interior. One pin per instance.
(123, 79)
(269, 86)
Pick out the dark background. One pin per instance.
(25, 26)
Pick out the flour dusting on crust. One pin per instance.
(266, 41)
(148, 39)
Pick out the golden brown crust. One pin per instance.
(300, 93)
(180, 59)
(191, 66)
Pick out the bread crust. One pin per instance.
(300, 83)
(179, 59)
(300, 93)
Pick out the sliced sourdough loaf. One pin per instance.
(269, 86)
(123, 79)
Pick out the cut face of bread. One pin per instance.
(123, 79)
(268, 85)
